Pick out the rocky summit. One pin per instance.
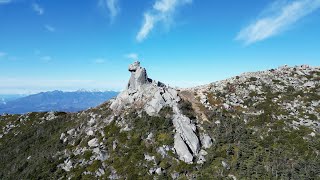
(144, 94)
(259, 125)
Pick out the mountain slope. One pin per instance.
(56, 101)
(4, 98)
(262, 125)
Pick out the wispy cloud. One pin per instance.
(5, 1)
(161, 12)
(277, 18)
(2, 54)
(49, 28)
(36, 7)
(132, 56)
(112, 6)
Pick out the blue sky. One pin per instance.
(88, 44)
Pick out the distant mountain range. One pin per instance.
(4, 98)
(54, 101)
(2, 101)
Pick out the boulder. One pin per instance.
(182, 149)
(186, 130)
(147, 157)
(93, 142)
(206, 141)
(175, 175)
(90, 133)
(67, 165)
(159, 171)
(71, 132)
(62, 136)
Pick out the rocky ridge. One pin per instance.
(293, 91)
(262, 125)
(151, 96)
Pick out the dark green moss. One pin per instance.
(253, 79)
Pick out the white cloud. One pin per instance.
(276, 19)
(36, 7)
(149, 21)
(5, 1)
(2, 54)
(49, 28)
(112, 6)
(132, 56)
(99, 61)
(161, 12)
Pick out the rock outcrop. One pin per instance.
(138, 76)
(143, 93)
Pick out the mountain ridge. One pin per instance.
(56, 101)
(262, 125)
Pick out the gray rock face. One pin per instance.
(143, 93)
(156, 103)
(186, 130)
(182, 149)
(138, 76)
(151, 96)
(206, 141)
(93, 142)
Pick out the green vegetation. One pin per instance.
(94, 166)
(186, 109)
(253, 79)
(212, 100)
(30, 154)
(87, 154)
(128, 157)
(280, 154)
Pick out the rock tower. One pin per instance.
(145, 94)
(138, 76)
